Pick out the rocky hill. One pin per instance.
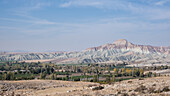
(155, 86)
(120, 50)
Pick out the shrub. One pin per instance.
(166, 89)
(77, 79)
(140, 89)
(129, 81)
(98, 88)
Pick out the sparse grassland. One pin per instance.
(154, 86)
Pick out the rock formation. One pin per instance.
(120, 50)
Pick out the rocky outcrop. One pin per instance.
(121, 50)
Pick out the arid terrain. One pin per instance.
(120, 50)
(155, 86)
(84, 47)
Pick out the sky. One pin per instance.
(74, 25)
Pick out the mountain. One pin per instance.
(119, 51)
(123, 44)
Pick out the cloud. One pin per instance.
(160, 15)
(28, 8)
(81, 3)
(32, 21)
(24, 12)
(66, 4)
(64, 34)
(142, 20)
(40, 5)
(161, 2)
(143, 8)
(104, 26)
(46, 22)
(102, 4)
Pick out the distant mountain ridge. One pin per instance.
(124, 44)
(120, 50)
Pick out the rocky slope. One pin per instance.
(121, 50)
(155, 86)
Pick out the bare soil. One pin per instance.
(155, 86)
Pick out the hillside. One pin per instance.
(120, 50)
(155, 86)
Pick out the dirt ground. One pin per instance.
(156, 86)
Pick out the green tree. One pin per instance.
(42, 75)
(86, 77)
(67, 76)
(149, 74)
(4, 76)
(8, 76)
(154, 74)
(108, 78)
(94, 78)
(113, 78)
(12, 76)
(141, 72)
(52, 76)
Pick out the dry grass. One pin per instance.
(156, 86)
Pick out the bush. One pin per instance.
(98, 88)
(129, 81)
(91, 80)
(58, 78)
(77, 79)
(141, 79)
(166, 89)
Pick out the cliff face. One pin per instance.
(120, 50)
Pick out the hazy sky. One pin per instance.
(58, 25)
